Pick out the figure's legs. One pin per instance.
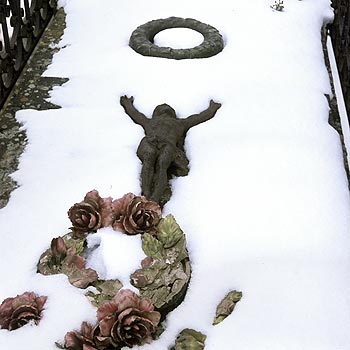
(165, 158)
(180, 164)
(148, 155)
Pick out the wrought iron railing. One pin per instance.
(340, 33)
(21, 24)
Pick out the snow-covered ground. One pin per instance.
(265, 206)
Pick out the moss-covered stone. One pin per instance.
(30, 92)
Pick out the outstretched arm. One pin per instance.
(207, 114)
(129, 108)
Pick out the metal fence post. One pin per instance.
(340, 34)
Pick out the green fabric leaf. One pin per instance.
(163, 283)
(59, 345)
(106, 291)
(177, 252)
(166, 272)
(169, 232)
(189, 339)
(80, 278)
(152, 247)
(226, 306)
(80, 245)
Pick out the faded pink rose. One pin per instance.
(127, 320)
(136, 214)
(105, 206)
(120, 207)
(91, 214)
(17, 311)
(60, 259)
(58, 249)
(74, 267)
(74, 260)
(80, 341)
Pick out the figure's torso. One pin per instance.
(166, 129)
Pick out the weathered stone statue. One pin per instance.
(162, 149)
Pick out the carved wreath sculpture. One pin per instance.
(141, 39)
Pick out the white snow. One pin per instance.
(116, 255)
(265, 206)
(178, 38)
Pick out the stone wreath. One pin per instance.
(141, 39)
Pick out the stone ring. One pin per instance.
(142, 37)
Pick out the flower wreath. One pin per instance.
(123, 317)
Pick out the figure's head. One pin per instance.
(164, 109)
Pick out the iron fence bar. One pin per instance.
(340, 34)
(21, 29)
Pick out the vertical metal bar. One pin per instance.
(27, 9)
(340, 33)
(5, 32)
